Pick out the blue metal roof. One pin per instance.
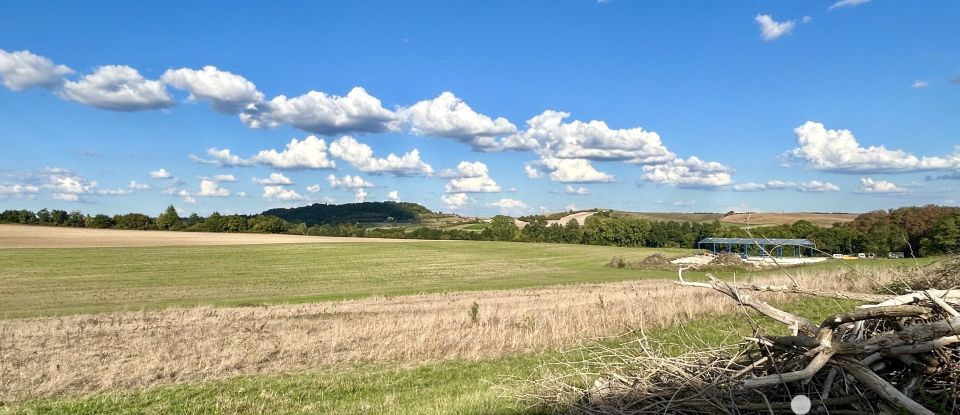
(758, 241)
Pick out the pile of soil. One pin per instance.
(727, 259)
(656, 261)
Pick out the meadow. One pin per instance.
(404, 327)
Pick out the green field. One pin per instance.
(84, 280)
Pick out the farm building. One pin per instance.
(762, 246)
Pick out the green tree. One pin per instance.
(943, 238)
(268, 224)
(100, 221)
(501, 228)
(169, 219)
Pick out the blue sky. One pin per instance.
(486, 107)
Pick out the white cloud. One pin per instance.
(471, 177)
(160, 174)
(223, 158)
(532, 171)
(23, 70)
(771, 29)
(570, 190)
(571, 170)
(450, 117)
(117, 88)
(456, 200)
(211, 188)
(138, 186)
(18, 190)
(510, 205)
(691, 172)
(313, 188)
(347, 182)
(275, 179)
(360, 156)
(67, 185)
(919, 83)
(749, 187)
(847, 3)
(818, 186)
(227, 92)
(359, 195)
(869, 185)
(838, 151)
(222, 178)
(592, 140)
(280, 193)
(317, 112)
(394, 196)
(66, 197)
(311, 153)
(114, 192)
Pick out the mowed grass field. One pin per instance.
(50, 281)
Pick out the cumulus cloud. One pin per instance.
(847, 3)
(222, 178)
(313, 188)
(771, 29)
(359, 195)
(117, 88)
(919, 83)
(510, 205)
(448, 116)
(138, 186)
(160, 174)
(838, 151)
(360, 156)
(211, 188)
(592, 140)
(275, 179)
(280, 193)
(567, 170)
(227, 92)
(818, 186)
(348, 182)
(880, 187)
(69, 186)
(310, 153)
(17, 191)
(532, 171)
(317, 112)
(393, 196)
(570, 190)
(749, 187)
(23, 70)
(223, 158)
(691, 172)
(456, 200)
(471, 177)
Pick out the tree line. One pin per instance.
(924, 230)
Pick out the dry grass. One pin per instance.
(819, 219)
(87, 353)
(22, 236)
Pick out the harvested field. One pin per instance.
(21, 236)
(39, 282)
(820, 219)
(87, 353)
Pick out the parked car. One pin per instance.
(862, 255)
(837, 256)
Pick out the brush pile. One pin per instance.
(896, 354)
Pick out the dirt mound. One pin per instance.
(656, 261)
(727, 259)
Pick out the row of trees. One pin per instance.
(926, 230)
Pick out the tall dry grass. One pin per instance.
(88, 353)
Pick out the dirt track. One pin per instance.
(20, 236)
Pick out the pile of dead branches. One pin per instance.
(896, 354)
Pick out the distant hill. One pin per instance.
(824, 220)
(670, 216)
(364, 213)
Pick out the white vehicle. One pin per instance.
(837, 256)
(862, 255)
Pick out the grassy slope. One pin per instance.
(444, 387)
(71, 281)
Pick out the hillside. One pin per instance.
(817, 218)
(363, 213)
